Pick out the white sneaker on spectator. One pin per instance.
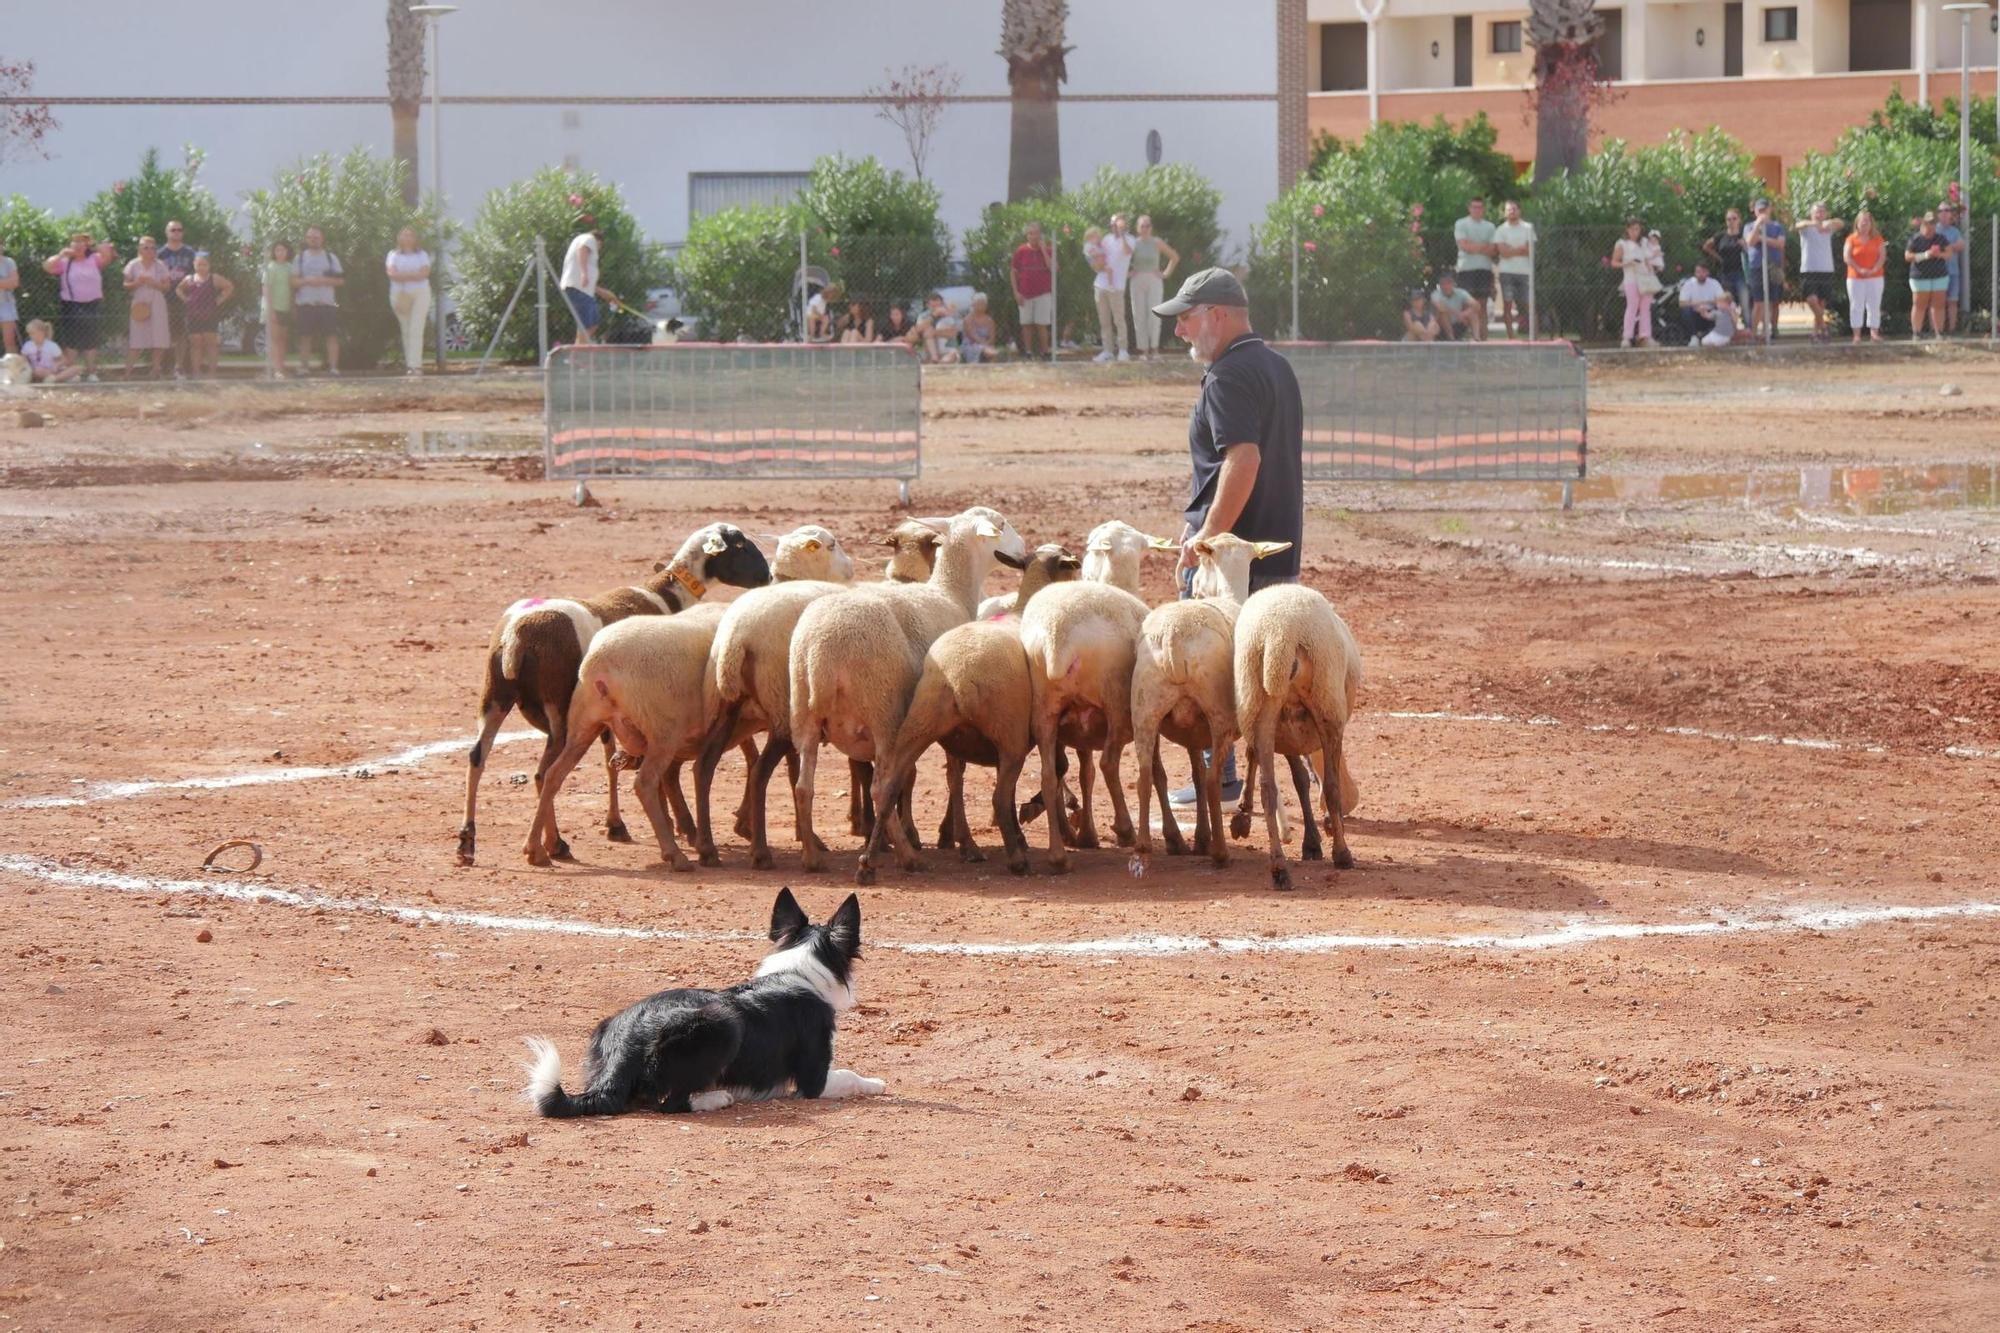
(1102, 357)
(1694, 342)
(91, 378)
(1124, 356)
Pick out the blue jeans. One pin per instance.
(583, 305)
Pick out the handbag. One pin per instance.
(1648, 282)
(142, 310)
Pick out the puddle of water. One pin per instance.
(444, 443)
(1852, 490)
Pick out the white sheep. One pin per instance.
(1297, 673)
(1114, 551)
(1183, 688)
(747, 690)
(856, 656)
(533, 655)
(1080, 640)
(974, 700)
(810, 552)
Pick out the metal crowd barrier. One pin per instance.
(717, 411)
(1492, 411)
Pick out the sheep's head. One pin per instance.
(1223, 564)
(1050, 563)
(1112, 552)
(914, 547)
(811, 552)
(721, 553)
(987, 527)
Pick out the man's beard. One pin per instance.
(1194, 354)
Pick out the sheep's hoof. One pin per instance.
(743, 828)
(761, 860)
(1086, 839)
(708, 856)
(537, 857)
(946, 839)
(464, 857)
(1030, 811)
(1281, 878)
(1312, 851)
(912, 866)
(971, 852)
(1200, 844)
(680, 865)
(859, 828)
(1343, 859)
(562, 851)
(1239, 825)
(1219, 857)
(617, 832)
(1058, 865)
(1017, 866)
(864, 874)
(465, 843)
(1122, 834)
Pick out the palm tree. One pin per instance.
(406, 88)
(1031, 39)
(1564, 35)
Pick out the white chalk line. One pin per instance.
(1582, 931)
(263, 777)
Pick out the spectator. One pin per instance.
(897, 328)
(146, 328)
(47, 362)
(316, 280)
(1929, 276)
(1865, 262)
(409, 270)
(581, 270)
(1114, 264)
(1474, 235)
(938, 328)
(857, 325)
(1457, 313)
(1514, 251)
(277, 308)
(1725, 330)
(178, 256)
(1419, 324)
(976, 337)
(1725, 249)
(1699, 296)
(1954, 239)
(1816, 276)
(819, 323)
(1633, 258)
(1148, 286)
(80, 289)
(202, 294)
(1764, 268)
(1034, 292)
(10, 282)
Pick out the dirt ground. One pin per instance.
(1663, 994)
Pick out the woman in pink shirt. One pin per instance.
(79, 271)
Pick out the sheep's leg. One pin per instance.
(1264, 768)
(1005, 817)
(712, 746)
(1045, 741)
(1147, 748)
(1209, 777)
(1311, 850)
(670, 783)
(748, 750)
(558, 735)
(652, 784)
(860, 797)
(1239, 822)
(1170, 828)
(1121, 810)
(812, 852)
(489, 727)
(1086, 781)
(614, 823)
(758, 785)
(968, 850)
(1332, 769)
(543, 842)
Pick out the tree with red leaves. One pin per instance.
(1568, 84)
(24, 125)
(914, 100)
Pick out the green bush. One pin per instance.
(33, 234)
(875, 231)
(1438, 167)
(143, 204)
(494, 250)
(1359, 256)
(735, 273)
(358, 202)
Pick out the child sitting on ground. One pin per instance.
(45, 358)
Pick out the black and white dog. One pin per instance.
(702, 1050)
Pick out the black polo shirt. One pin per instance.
(1251, 396)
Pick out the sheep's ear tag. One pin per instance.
(715, 545)
(812, 544)
(1271, 548)
(986, 529)
(1162, 544)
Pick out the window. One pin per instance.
(1507, 39)
(712, 191)
(1781, 25)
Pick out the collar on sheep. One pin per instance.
(694, 586)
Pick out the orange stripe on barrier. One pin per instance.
(1573, 438)
(608, 453)
(1420, 467)
(692, 435)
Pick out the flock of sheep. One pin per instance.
(1074, 661)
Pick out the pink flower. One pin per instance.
(576, 201)
(1319, 210)
(118, 187)
(1416, 210)
(836, 252)
(1309, 247)
(1954, 191)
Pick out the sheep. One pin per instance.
(1297, 671)
(810, 552)
(973, 699)
(1183, 688)
(1113, 551)
(1080, 640)
(532, 658)
(633, 686)
(856, 656)
(747, 689)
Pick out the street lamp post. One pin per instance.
(431, 14)
(1965, 11)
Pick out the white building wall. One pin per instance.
(1671, 51)
(1406, 57)
(680, 48)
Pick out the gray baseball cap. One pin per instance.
(1211, 286)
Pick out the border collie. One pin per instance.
(702, 1050)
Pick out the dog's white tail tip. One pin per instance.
(544, 1069)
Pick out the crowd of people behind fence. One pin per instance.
(1732, 294)
(177, 305)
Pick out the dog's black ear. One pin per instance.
(787, 917)
(844, 928)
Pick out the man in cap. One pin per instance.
(1246, 439)
(581, 265)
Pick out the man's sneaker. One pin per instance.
(1102, 357)
(1124, 355)
(1184, 797)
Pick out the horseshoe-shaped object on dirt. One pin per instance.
(256, 857)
